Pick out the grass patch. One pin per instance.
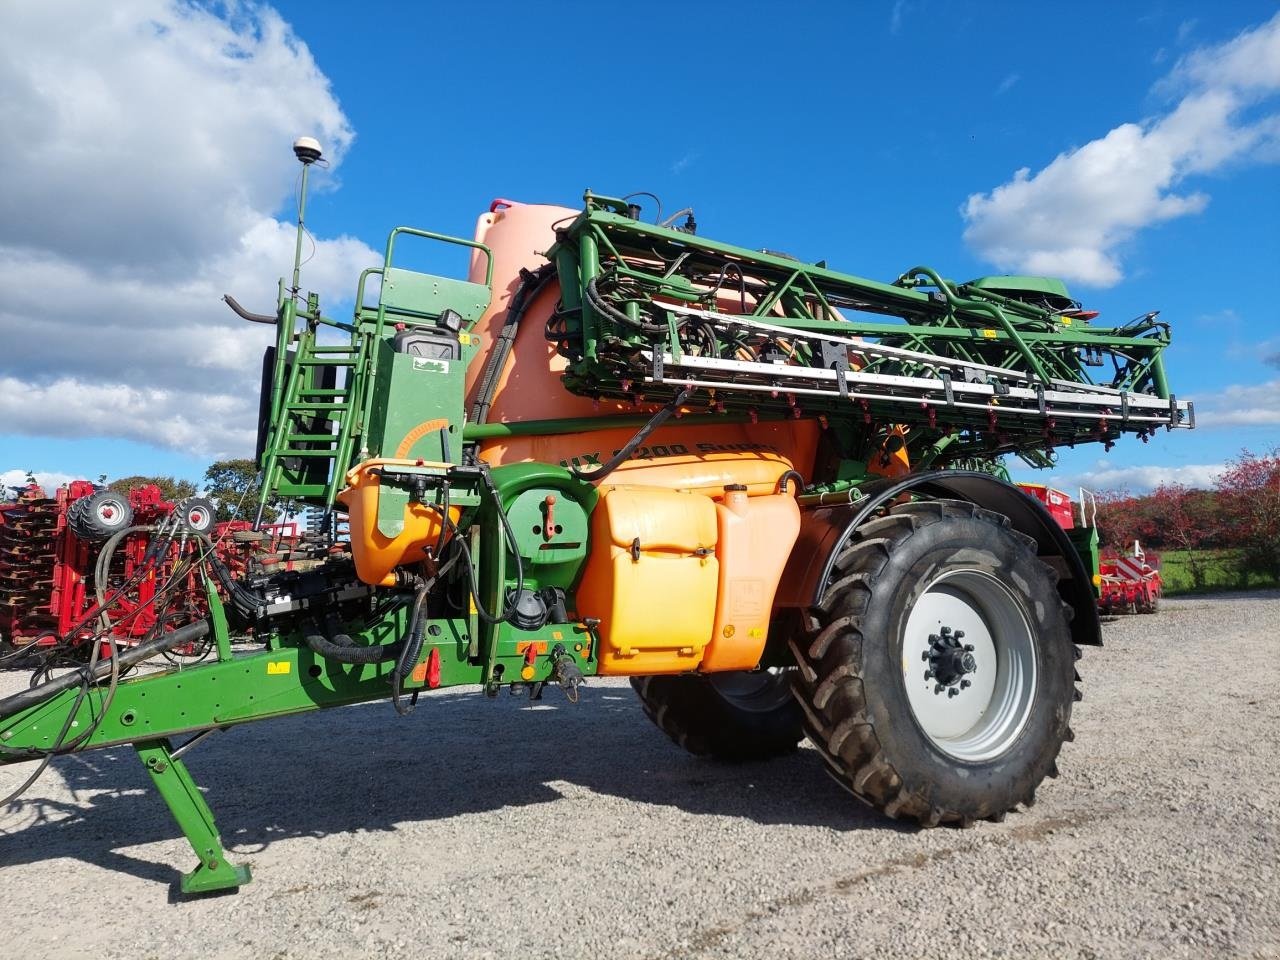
(1222, 572)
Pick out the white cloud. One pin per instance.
(1072, 218)
(188, 420)
(1241, 405)
(1008, 83)
(1105, 476)
(49, 480)
(896, 17)
(148, 157)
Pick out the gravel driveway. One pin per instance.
(479, 828)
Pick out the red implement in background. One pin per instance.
(49, 574)
(1131, 584)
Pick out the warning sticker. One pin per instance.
(746, 599)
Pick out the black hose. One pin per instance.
(782, 481)
(531, 284)
(603, 306)
(26, 699)
(657, 420)
(411, 648)
(230, 301)
(343, 649)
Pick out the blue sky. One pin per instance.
(155, 170)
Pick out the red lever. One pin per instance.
(549, 517)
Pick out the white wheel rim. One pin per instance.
(109, 512)
(982, 717)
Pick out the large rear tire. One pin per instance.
(937, 677)
(731, 716)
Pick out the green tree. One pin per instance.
(171, 488)
(233, 487)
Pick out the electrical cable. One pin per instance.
(651, 196)
(413, 645)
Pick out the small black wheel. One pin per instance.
(937, 678)
(198, 514)
(738, 716)
(98, 516)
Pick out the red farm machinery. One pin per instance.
(88, 562)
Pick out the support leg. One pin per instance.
(194, 818)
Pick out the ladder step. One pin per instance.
(307, 405)
(285, 454)
(310, 438)
(321, 392)
(326, 362)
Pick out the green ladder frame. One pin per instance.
(306, 406)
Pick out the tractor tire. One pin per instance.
(939, 725)
(100, 515)
(735, 717)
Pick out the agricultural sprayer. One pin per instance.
(619, 448)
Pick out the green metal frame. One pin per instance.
(651, 266)
(322, 395)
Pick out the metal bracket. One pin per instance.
(194, 818)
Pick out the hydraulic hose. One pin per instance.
(603, 306)
(26, 699)
(657, 420)
(343, 649)
(531, 285)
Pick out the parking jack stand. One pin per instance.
(194, 818)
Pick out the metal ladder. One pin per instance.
(312, 435)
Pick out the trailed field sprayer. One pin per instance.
(618, 448)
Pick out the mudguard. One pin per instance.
(825, 529)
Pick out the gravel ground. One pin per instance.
(488, 829)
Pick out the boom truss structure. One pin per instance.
(999, 365)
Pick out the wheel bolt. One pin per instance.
(928, 674)
(938, 688)
(968, 648)
(965, 684)
(952, 692)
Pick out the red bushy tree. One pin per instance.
(1186, 519)
(1249, 495)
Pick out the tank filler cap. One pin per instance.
(307, 149)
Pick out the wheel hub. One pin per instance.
(972, 635)
(949, 661)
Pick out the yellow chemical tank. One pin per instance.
(754, 539)
(651, 578)
(388, 532)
